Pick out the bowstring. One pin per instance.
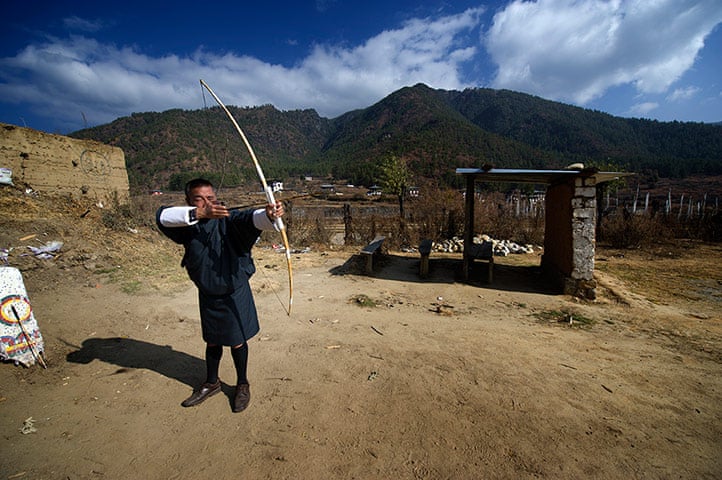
(270, 281)
(214, 159)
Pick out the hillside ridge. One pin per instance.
(434, 131)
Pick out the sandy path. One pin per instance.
(345, 391)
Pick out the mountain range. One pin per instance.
(434, 131)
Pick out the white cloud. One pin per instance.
(421, 51)
(65, 77)
(574, 50)
(642, 109)
(683, 93)
(76, 23)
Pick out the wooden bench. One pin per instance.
(483, 251)
(370, 250)
(425, 251)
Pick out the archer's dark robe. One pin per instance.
(218, 261)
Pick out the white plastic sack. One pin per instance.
(6, 176)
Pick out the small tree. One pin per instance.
(395, 177)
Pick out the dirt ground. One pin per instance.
(370, 377)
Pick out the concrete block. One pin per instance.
(583, 213)
(587, 192)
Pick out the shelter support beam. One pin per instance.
(468, 224)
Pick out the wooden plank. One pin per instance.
(373, 245)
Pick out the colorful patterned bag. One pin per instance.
(20, 338)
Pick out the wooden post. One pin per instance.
(424, 251)
(468, 224)
(347, 223)
(424, 266)
(370, 263)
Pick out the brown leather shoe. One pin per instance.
(242, 398)
(206, 390)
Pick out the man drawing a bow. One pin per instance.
(218, 260)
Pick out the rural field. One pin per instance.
(371, 376)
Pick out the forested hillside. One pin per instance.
(163, 150)
(434, 131)
(674, 149)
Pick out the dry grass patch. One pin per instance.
(684, 270)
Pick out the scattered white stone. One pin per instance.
(501, 248)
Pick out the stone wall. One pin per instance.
(63, 165)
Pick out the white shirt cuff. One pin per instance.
(176, 217)
(261, 220)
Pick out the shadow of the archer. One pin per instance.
(130, 353)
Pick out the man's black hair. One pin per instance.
(195, 183)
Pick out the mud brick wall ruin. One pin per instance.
(47, 163)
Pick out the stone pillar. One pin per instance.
(584, 214)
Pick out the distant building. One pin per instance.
(374, 191)
(276, 186)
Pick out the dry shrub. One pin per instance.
(530, 229)
(366, 226)
(139, 211)
(707, 227)
(623, 230)
(310, 229)
(497, 217)
(143, 208)
(122, 216)
(711, 229)
(492, 216)
(438, 214)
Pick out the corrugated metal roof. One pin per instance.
(548, 177)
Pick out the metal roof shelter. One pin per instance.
(570, 222)
(541, 177)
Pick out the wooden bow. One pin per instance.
(269, 193)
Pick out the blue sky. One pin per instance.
(70, 64)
